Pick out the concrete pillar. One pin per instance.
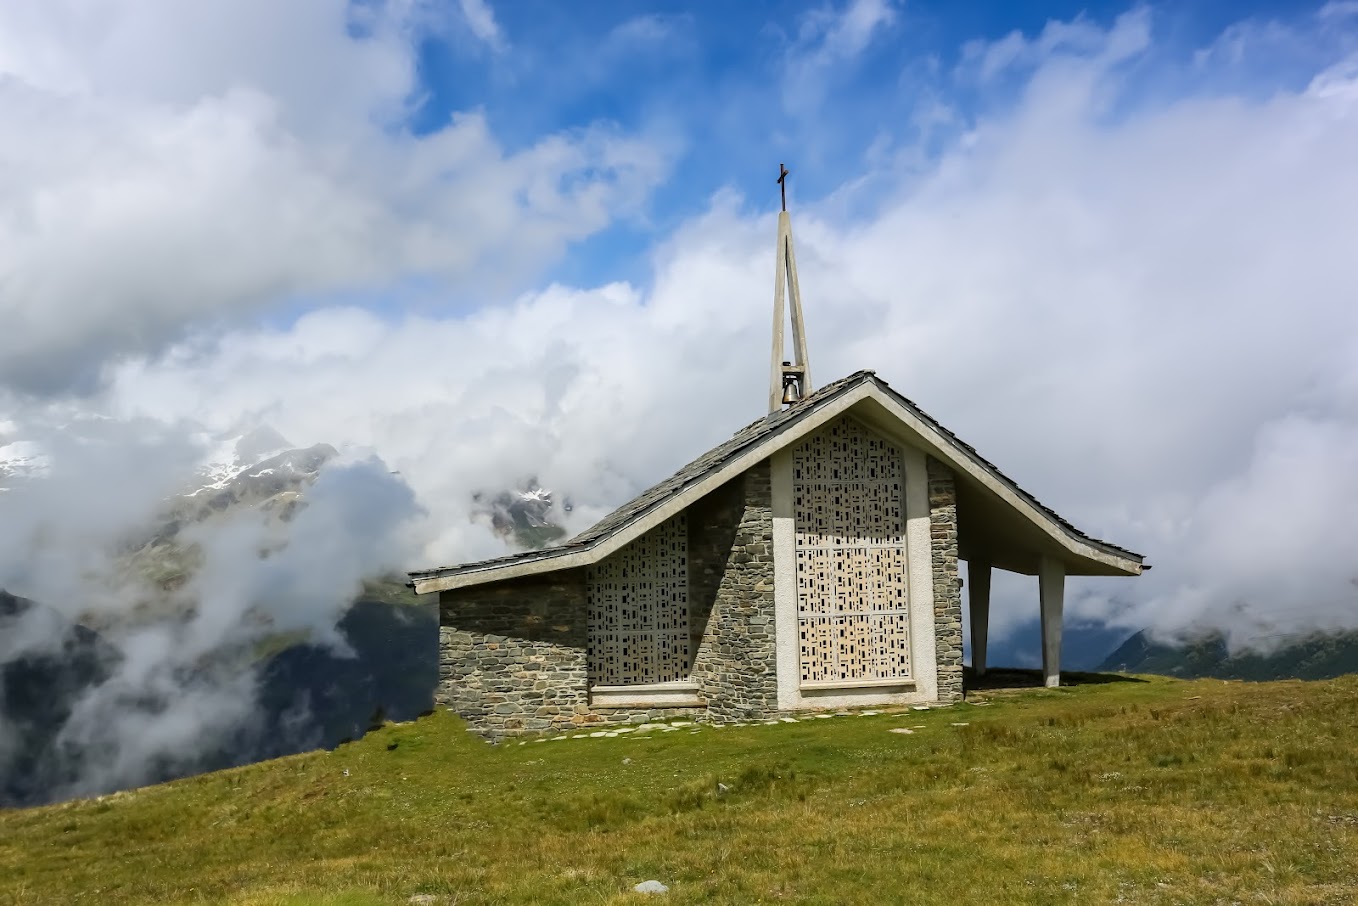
(1051, 581)
(978, 605)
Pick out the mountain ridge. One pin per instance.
(1307, 656)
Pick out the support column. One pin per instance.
(1051, 580)
(978, 605)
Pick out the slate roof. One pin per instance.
(746, 437)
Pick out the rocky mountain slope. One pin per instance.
(308, 694)
(1309, 657)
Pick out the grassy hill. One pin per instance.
(1132, 791)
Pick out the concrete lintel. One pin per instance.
(683, 694)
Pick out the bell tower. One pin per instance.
(789, 378)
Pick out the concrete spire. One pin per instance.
(795, 375)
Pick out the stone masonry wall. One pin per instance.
(731, 582)
(947, 583)
(512, 654)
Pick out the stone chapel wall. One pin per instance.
(947, 582)
(514, 654)
(731, 598)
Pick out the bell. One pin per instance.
(789, 392)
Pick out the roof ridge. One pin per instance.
(737, 443)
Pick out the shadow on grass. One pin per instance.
(1018, 678)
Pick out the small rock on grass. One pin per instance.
(651, 887)
(423, 899)
(901, 730)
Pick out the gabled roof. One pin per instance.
(754, 443)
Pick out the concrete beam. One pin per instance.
(1051, 581)
(978, 605)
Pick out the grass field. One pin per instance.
(1121, 792)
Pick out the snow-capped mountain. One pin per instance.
(228, 457)
(21, 459)
(523, 517)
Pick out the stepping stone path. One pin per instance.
(648, 730)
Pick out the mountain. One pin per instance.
(1310, 657)
(19, 460)
(38, 689)
(1084, 645)
(307, 695)
(522, 518)
(274, 486)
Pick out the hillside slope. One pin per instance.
(1118, 790)
(1318, 656)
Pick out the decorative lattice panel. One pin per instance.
(638, 610)
(849, 506)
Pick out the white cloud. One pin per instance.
(828, 42)
(183, 682)
(1145, 318)
(1337, 10)
(846, 35)
(481, 20)
(1079, 39)
(1147, 321)
(168, 163)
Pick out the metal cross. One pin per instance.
(782, 183)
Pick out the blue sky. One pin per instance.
(718, 86)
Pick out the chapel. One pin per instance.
(809, 562)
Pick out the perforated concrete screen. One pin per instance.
(638, 610)
(852, 603)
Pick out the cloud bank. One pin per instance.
(1138, 301)
(168, 165)
(1146, 318)
(179, 660)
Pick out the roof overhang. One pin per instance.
(987, 501)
